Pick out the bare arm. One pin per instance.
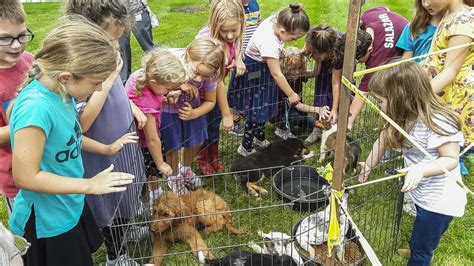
(27, 175)
(275, 70)
(188, 113)
(453, 63)
(336, 90)
(373, 158)
(448, 158)
(154, 145)
(227, 121)
(94, 146)
(4, 135)
(407, 54)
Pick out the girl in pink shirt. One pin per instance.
(161, 72)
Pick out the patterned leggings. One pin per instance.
(253, 129)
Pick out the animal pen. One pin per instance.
(295, 192)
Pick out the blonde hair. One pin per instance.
(76, 46)
(223, 11)
(209, 52)
(12, 11)
(410, 96)
(162, 66)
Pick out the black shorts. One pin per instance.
(74, 247)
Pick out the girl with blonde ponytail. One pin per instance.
(49, 210)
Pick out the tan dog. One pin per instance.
(201, 202)
(175, 218)
(170, 224)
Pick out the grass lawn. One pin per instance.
(373, 208)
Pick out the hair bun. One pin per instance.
(295, 7)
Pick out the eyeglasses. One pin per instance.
(22, 38)
(21, 245)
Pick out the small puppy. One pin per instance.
(201, 202)
(277, 243)
(170, 225)
(352, 151)
(279, 153)
(247, 258)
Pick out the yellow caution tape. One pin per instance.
(375, 69)
(333, 232)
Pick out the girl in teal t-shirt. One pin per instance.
(417, 35)
(46, 137)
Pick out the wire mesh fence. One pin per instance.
(219, 218)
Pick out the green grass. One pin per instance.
(373, 207)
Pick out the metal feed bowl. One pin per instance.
(303, 186)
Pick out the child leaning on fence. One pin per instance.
(256, 92)
(405, 95)
(161, 71)
(14, 65)
(183, 124)
(451, 72)
(226, 24)
(50, 211)
(320, 43)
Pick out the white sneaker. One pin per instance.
(260, 143)
(314, 136)
(137, 233)
(122, 260)
(191, 180)
(284, 134)
(177, 185)
(242, 151)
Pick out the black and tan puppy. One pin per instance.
(279, 153)
(247, 258)
(352, 152)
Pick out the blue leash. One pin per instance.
(287, 112)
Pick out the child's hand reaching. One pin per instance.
(165, 169)
(173, 96)
(294, 98)
(109, 182)
(239, 67)
(324, 112)
(364, 172)
(186, 112)
(118, 144)
(414, 174)
(227, 123)
(190, 90)
(333, 116)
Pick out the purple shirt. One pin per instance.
(388, 27)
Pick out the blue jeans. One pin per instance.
(142, 32)
(213, 124)
(427, 231)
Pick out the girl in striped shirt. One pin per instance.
(405, 94)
